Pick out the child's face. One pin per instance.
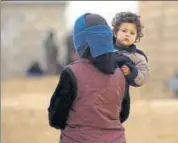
(126, 34)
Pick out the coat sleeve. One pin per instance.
(143, 71)
(125, 109)
(62, 99)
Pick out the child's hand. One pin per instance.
(125, 69)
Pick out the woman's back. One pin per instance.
(94, 116)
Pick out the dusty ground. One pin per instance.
(24, 115)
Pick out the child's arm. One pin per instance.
(143, 71)
(130, 71)
(136, 75)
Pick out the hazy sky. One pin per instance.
(108, 9)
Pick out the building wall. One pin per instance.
(24, 26)
(160, 43)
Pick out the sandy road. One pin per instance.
(24, 115)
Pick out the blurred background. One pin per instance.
(36, 43)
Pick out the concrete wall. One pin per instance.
(24, 26)
(160, 43)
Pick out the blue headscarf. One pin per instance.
(97, 37)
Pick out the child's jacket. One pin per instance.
(141, 63)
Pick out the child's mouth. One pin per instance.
(126, 39)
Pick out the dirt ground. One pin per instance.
(24, 119)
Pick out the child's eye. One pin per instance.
(123, 30)
(132, 33)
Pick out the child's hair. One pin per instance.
(128, 17)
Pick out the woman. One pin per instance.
(87, 101)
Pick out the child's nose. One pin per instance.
(127, 34)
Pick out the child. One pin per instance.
(127, 30)
(87, 100)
